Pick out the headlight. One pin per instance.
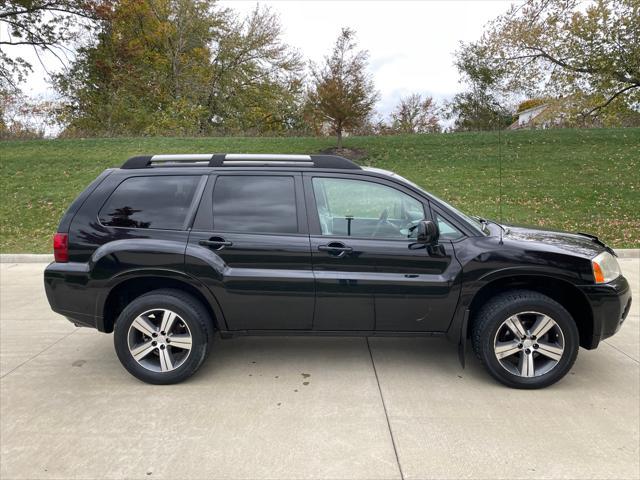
(605, 268)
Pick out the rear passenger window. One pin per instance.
(161, 202)
(244, 203)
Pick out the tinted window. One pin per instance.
(254, 204)
(150, 202)
(365, 209)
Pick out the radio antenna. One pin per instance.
(500, 178)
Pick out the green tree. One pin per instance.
(477, 110)
(564, 49)
(342, 92)
(480, 106)
(256, 79)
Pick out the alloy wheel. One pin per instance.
(159, 340)
(529, 344)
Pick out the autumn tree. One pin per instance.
(587, 55)
(183, 67)
(146, 73)
(47, 26)
(342, 93)
(415, 114)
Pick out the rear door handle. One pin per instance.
(216, 244)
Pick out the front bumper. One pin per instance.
(610, 305)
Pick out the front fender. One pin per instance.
(484, 261)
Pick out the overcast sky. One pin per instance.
(410, 42)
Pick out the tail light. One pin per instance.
(61, 247)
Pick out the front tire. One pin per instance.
(163, 337)
(525, 339)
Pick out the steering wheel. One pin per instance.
(382, 222)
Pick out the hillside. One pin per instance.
(576, 180)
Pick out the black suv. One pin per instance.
(170, 249)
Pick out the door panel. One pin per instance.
(262, 281)
(382, 283)
(416, 290)
(265, 281)
(344, 283)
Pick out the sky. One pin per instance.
(410, 43)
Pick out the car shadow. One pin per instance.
(434, 356)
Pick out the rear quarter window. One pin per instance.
(160, 202)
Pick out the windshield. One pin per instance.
(473, 222)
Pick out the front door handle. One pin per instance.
(215, 243)
(336, 249)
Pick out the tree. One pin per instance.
(477, 110)
(562, 49)
(481, 106)
(413, 114)
(46, 26)
(342, 92)
(145, 74)
(24, 118)
(256, 79)
(183, 67)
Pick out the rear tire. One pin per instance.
(525, 339)
(163, 337)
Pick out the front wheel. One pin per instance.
(162, 337)
(525, 339)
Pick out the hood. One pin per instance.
(579, 244)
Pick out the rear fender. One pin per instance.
(123, 260)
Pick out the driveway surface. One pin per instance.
(303, 408)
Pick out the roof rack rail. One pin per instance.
(265, 159)
(239, 160)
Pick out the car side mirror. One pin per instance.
(428, 232)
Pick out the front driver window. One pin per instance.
(359, 208)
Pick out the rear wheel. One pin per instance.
(525, 339)
(162, 337)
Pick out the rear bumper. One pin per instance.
(610, 305)
(69, 294)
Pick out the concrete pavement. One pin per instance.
(298, 408)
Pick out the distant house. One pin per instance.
(527, 118)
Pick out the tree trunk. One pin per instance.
(339, 132)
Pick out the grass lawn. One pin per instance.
(575, 180)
